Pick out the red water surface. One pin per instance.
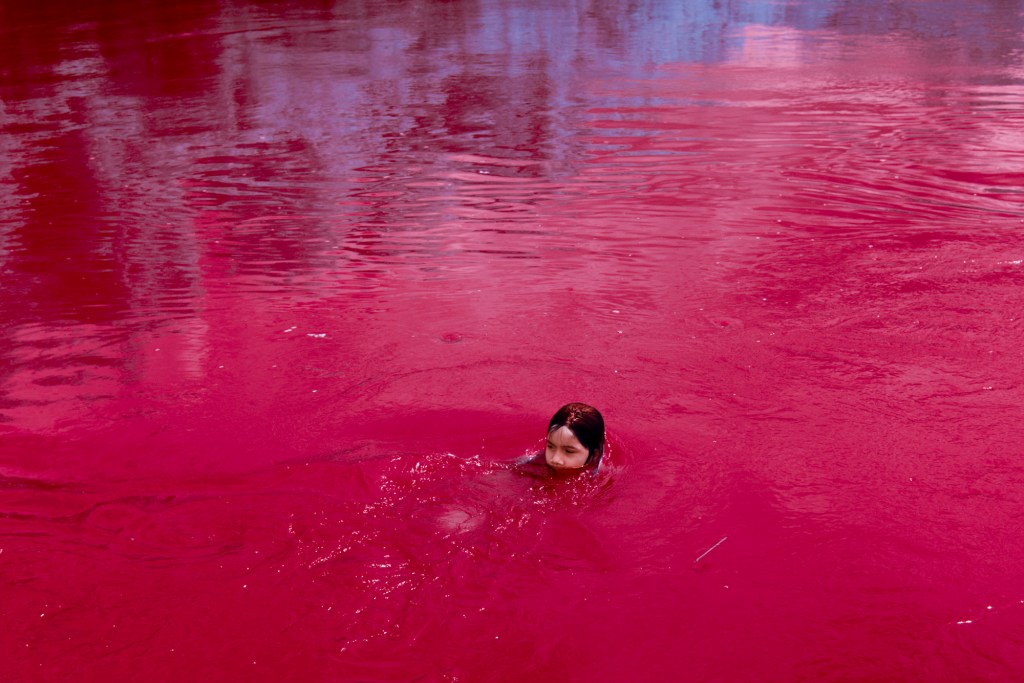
(288, 288)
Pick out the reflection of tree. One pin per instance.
(157, 50)
(989, 30)
(97, 251)
(92, 223)
(154, 149)
(66, 258)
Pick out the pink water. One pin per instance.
(287, 287)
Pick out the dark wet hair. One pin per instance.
(586, 424)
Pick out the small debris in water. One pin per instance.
(704, 554)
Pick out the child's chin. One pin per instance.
(564, 472)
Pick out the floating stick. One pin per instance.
(703, 554)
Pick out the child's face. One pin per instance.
(564, 451)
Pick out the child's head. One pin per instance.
(575, 437)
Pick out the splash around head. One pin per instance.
(575, 438)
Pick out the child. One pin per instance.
(574, 443)
(575, 439)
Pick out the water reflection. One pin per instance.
(161, 160)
